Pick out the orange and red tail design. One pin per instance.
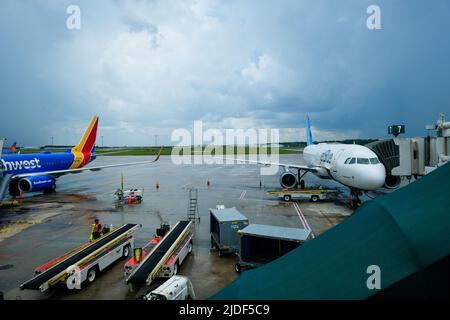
(83, 150)
(13, 147)
(87, 143)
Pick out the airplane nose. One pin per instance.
(371, 177)
(377, 176)
(381, 175)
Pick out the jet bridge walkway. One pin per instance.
(153, 262)
(58, 267)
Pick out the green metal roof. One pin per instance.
(402, 233)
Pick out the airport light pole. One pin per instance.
(156, 140)
(102, 142)
(1, 151)
(52, 141)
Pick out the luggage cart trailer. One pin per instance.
(224, 226)
(260, 244)
(313, 195)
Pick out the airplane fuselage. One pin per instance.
(354, 166)
(42, 162)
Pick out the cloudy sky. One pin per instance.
(149, 67)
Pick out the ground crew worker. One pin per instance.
(157, 186)
(97, 230)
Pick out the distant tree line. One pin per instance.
(347, 141)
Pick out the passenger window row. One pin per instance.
(55, 163)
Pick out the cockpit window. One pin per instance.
(352, 161)
(363, 161)
(346, 161)
(374, 161)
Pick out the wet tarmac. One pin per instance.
(47, 226)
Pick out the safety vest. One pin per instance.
(91, 238)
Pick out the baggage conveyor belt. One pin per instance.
(36, 282)
(156, 256)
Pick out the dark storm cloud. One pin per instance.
(148, 67)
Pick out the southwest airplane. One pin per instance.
(38, 172)
(354, 166)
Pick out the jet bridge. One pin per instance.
(59, 269)
(150, 267)
(414, 156)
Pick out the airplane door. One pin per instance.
(335, 161)
(334, 165)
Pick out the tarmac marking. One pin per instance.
(303, 218)
(243, 193)
(299, 215)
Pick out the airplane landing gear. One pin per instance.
(301, 182)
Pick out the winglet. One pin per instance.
(310, 140)
(159, 154)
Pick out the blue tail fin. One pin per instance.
(308, 132)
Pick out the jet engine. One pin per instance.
(391, 182)
(288, 180)
(36, 183)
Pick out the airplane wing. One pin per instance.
(96, 168)
(107, 153)
(266, 163)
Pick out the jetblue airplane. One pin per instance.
(38, 172)
(354, 166)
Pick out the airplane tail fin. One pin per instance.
(87, 143)
(13, 147)
(310, 140)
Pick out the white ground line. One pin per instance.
(243, 193)
(300, 216)
(303, 218)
